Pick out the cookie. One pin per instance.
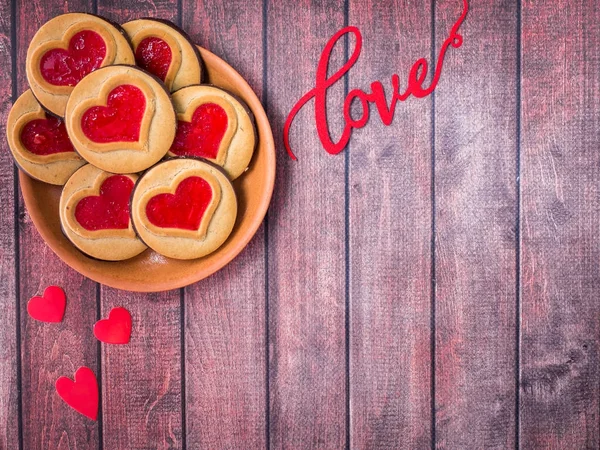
(165, 51)
(120, 119)
(184, 208)
(39, 142)
(67, 48)
(95, 214)
(214, 125)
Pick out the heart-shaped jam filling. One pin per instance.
(46, 136)
(154, 55)
(110, 209)
(120, 120)
(85, 54)
(203, 135)
(184, 209)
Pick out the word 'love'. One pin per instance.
(414, 87)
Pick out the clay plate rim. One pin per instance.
(92, 268)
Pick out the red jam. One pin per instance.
(110, 209)
(203, 135)
(184, 209)
(46, 136)
(154, 55)
(85, 54)
(120, 120)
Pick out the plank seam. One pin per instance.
(14, 93)
(266, 244)
(347, 241)
(433, 235)
(518, 236)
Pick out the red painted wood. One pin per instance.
(476, 216)
(390, 238)
(49, 351)
(306, 238)
(560, 221)
(225, 345)
(9, 414)
(142, 381)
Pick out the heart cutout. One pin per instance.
(184, 209)
(110, 209)
(116, 329)
(120, 120)
(203, 136)
(154, 55)
(46, 136)
(81, 394)
(50, 307)
(67, 67)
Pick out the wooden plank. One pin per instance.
(141, 382)
(225, 322)
(306, 238)
(390, 238)
(560, 221)
(49, 351)
(475, 220)
(9, 399)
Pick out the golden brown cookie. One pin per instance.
(39, 142)
(214, 125)
(121, 119)
(67, 48)
(95, 214)
(184, 208)
(165, 51)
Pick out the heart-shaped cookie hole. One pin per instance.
(206, 129)
(109, 210)
(154, 55)
(46, 136)
(85, 53)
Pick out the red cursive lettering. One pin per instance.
(416, 78)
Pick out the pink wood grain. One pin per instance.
(390, 238)
(476, 219)
(560, 158)
(225, 340)
(9, 409)
(306, 239)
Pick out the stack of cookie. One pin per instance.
(145, 151)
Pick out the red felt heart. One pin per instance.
(203, 135)
(116, 329)
(184, 209)
(50, 307)
(85, 54)
(81, 394)
(154, 55)
(120, 120)
(110, 209)
(46, 136)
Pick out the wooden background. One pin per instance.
(435, 285)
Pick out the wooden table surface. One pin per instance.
(437, 284)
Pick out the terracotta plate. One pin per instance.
(149, 271)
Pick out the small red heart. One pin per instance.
(184, 209)
(120, 120)
(116, 329)
(110, 209)
(81, 394)
(50, 307)
(154, 55)
(203, 135)
(46, 136)
(85, 54)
